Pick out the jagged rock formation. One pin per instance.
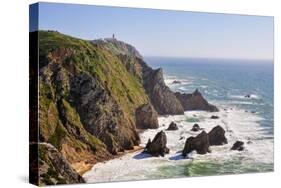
(200, 144)
(195, 101)
(172, 127)
(93, 96)
(146, 117)
(162, 98)
(53, 167)
(238, 145)
(158, 145)
(217, 136)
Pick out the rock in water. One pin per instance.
(158, 145)
(200, 144)
(214, 117)
(176, 82)
(217, 136)
(173, 126)
(146, 117)
(196, 127)
(195, 101)
(248, 96)
(53, 167)
(238, 145)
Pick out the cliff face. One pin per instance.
(53, 167)
(161, 97)
(93, 95)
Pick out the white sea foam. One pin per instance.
(252, 96)
(238, 124)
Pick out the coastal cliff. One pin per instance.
(93, 98)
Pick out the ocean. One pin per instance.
(224, 83)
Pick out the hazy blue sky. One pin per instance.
(166, 33)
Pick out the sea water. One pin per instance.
(224, 83)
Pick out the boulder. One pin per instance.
(157, 146)
(217, 136)
(146, 117)
(172, 127)
(195, 101)
(214, 117)
(238, 145)
(196, 127)
(200, 144)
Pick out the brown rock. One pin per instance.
(196, 127)
(173, 126)
(195, 101)
(158, 145)
(163, 99)
(217, 136)
(146, 117)
(238, 145)
(200, 144)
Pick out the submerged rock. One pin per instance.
(173, 126)
(200, 144)
(238, 145)
(176, 82)
(217, 136)
(195, 101)
(157, 146)
(196, 127)
(248, 96)
(214, 117)
(146, 117)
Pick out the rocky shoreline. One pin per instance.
(95, 97)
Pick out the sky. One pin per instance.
(162, 32)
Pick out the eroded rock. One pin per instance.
(146, 117)
(172, 127)
(200, 144)
(217, 136)
(157, 147)
(195, 101)
(238, 145)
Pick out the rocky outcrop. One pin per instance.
(146, 117)
(196, 127)
(217, 136)
(214, 117)
(195, 101)
(53, 167)
(162, 98)
(200, 144)
(172, 127)
(238, 145)
(157, 147)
